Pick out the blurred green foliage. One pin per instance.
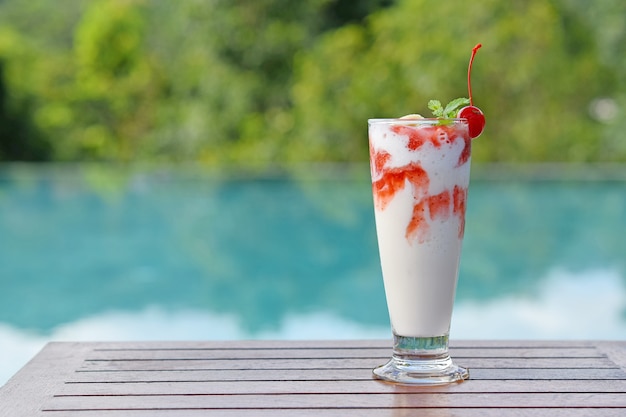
(263, 81)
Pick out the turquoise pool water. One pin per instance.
(97, 253)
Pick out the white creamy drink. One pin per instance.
(420, 175)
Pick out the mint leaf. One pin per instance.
(453, 106)
(436, 107)
(448, 112)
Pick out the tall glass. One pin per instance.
(420, 175)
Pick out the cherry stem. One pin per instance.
(469, 73)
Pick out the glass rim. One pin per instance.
(432, 121)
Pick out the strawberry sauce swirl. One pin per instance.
(389, 180)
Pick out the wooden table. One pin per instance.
(313, 378)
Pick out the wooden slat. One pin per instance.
(323, 378)
(328, 344)
(373, 412)
(41, 378)
(331, 374)
(614, 351)
(300, 353)
(323, 401)
(345, 387)
(322, 363)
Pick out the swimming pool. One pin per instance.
(102, 253)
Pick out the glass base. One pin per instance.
(421, 361)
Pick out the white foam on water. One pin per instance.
(567, 305)
(18, 346)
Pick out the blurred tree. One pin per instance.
(19, 140)
(112, 97)
(262, 81)
(606, 29)
(34, 39)
(338, 13)
(228, 68)
(535, 79)
(208, 80)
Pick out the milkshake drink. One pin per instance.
(420, 174)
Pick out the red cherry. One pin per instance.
(475, 120)
(475, 117)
